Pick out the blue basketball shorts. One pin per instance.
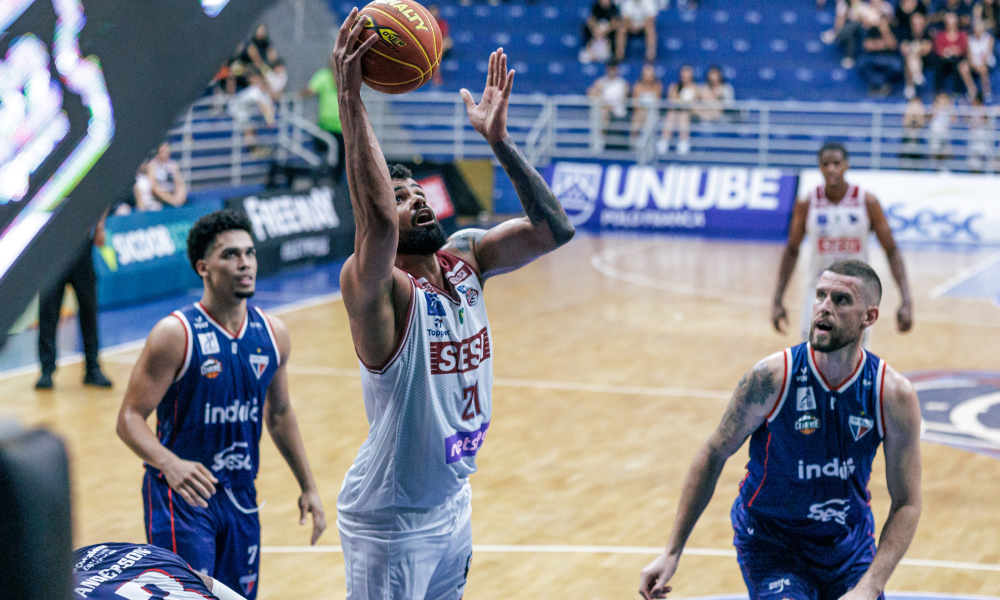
(221, 541)
(782, 564)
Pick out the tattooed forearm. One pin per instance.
(539, 203)
(757, 386)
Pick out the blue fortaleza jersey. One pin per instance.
(811, 459)
(213, 411)
(130, 571)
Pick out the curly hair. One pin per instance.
(207, 228)
(398, 171)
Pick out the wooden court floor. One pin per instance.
(614, 359)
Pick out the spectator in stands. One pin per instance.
(638, 19)
(880, 65)
(988, 11)
(163, 184)
(446, 41)
(914, 49)
(939, 128)
(611, 94)
(241, 108)
(323, 85)
(982, 58)
(961, 8)
(904, 14)
(716, 95)
(854, 17)
(951, 49)
(256, 51)
(646, 94)
(598, 49)
(276, 76)
(981, 146)
(604, 22)
(914, 121)
(683, 96)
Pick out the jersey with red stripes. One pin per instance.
(837, 230)
(429, 406)
(811, 460)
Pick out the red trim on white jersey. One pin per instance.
(188, 344)
(213, 321)
(785, 387)
(842, 386)
(402, 340)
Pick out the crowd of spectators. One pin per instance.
(952, 41)
(624, 106)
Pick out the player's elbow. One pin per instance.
(563, 233)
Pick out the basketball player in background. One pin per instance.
(116, 571)
(214, 372)
(815, 414)
(414, 299)
(838, 217)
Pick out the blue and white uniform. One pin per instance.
(804, 528)
(213, 414)
(404, 511)
(128, 571)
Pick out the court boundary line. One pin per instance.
(964, 275)
(599, 262)
(111, 351)
(645, 550)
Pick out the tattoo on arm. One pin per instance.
(463, 241)
(539, 203)
(754, 389)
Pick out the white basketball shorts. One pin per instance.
(408, 553)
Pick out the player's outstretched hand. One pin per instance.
(309, 502)
(191, 480)
(778, 317)
(654, 578)
(347, 53)
(904, 317)
(489, 117)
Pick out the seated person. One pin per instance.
(241, 108)
(716, 95)
(880, 65)
(904, 12)
(646, 94)
(914, 49)
(148, 572)
(161, 182)
(683, 95)
(982, 58)
(276, 76)
(941, 8)
(951, 49)
(638, 18)
(604, 22)
(611, 92)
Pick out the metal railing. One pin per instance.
(213, 149)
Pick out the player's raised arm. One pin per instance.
(880, 225)
(367, 276)
(158, 365)
(517, 242)
(754, 398)
(284, 429)
(902, 474)
(796, 233)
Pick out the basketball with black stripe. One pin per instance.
(409, 48)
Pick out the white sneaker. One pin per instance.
(662, 146)
(828, 36)
(909, 92)
(847, 62)
(683, 147)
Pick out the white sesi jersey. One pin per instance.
(836, 230)
(429, 407)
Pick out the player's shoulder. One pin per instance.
(169, 332)
(774, 364)
(871, 199)
(462, 244)
(896, 388)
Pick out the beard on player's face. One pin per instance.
(422, 240)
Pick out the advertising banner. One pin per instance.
(735, 202)
(292, 228)
(145, 256)
(949, 208)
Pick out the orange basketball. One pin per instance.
(408, 51)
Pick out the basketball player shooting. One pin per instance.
(419, 325)
(815, 415)
(838, 217)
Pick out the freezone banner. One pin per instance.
(736, 202)
(949, 208)
(145, 256)
(292, 228)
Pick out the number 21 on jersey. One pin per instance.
(470, 397)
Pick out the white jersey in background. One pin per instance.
(429, 407)
(836, 231)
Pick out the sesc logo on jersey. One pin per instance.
(211, 368)
(209, 343)
(860, 426)
(258, 363)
